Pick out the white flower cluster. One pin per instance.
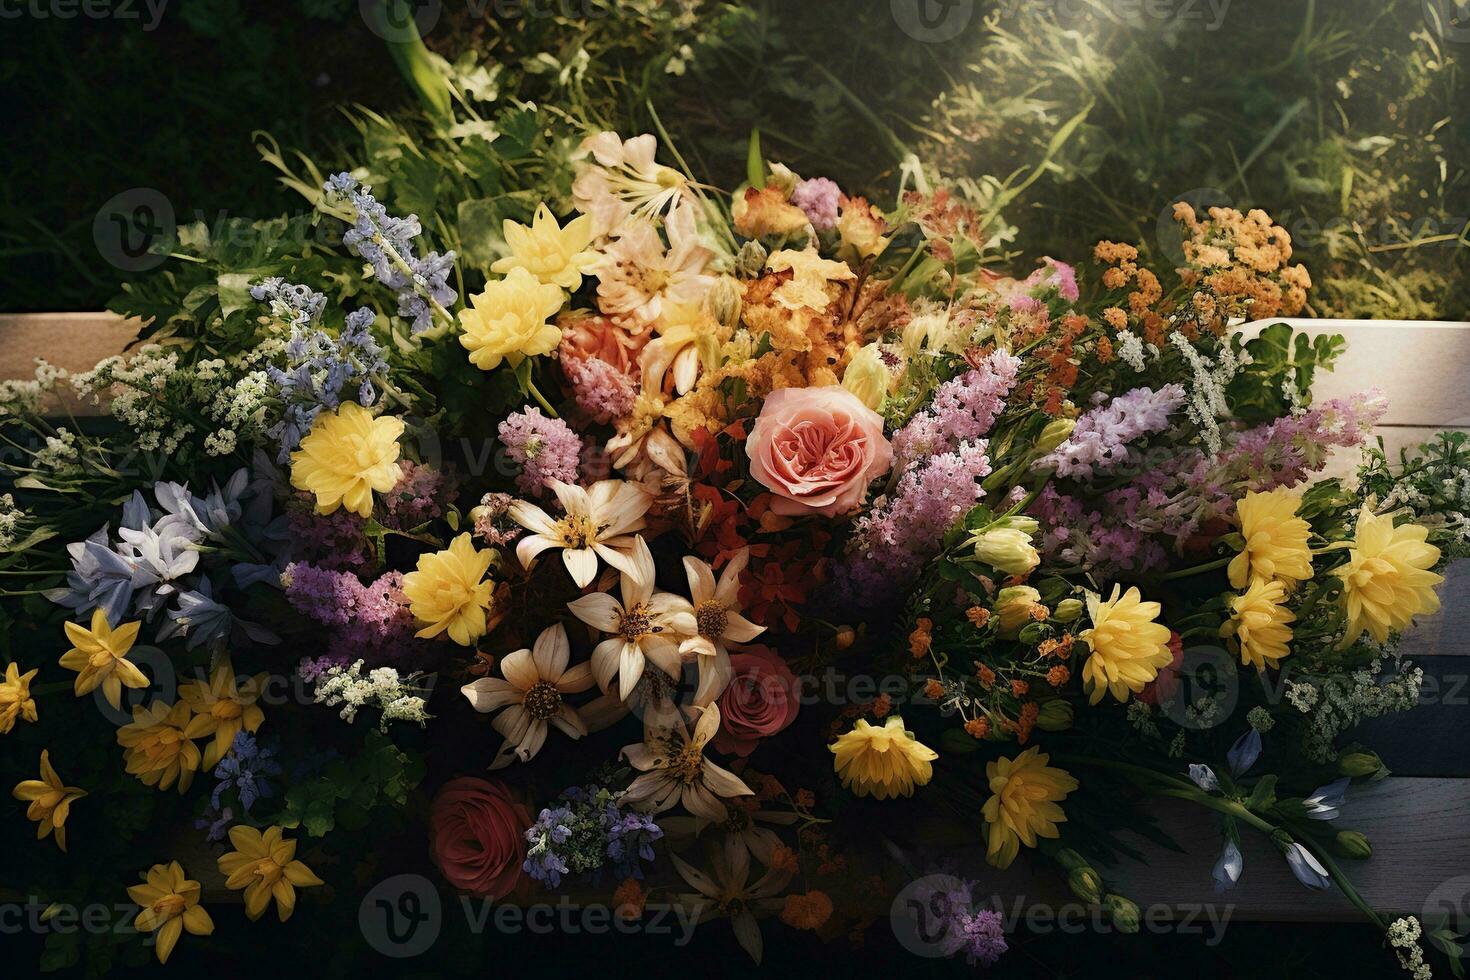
(10, 518)
(1207, 402)
(60, 454)
(21, 397)
(1129, 349)
(1403, 936)
(1338, 703)
(399, 698)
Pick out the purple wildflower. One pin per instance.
(819, 199)
(963, 410)
(544, 449)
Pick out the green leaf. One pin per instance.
(755, 166)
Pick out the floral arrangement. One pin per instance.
(548, 563)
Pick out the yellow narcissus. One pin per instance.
(448, 591)
(1258, 623)
(882, 762)
(228, 707)
(265, 866)
(507, 322)
(15, 697)
(170, 904)
(50, 801)
(346, 456)
(99, 655)
(159, 744)
(1275, 539)
(1023, 806)
(554, 255)
(1126, 646)
(1387, 580)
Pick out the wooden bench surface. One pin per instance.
(1419, 824)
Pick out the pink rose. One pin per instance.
(477, 834)
(761, 700)
(817, 449)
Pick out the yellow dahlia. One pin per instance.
(448, 591)
(1023, 806)
(554, 255)
(99, 655)
(1275, 539)
(345, 457)
(882, 762)
(265, 866)
(1126, 646)
(508, 320)
(227, 706)
(170, 904)
(1258, 623)
(159, 744)
(15, 697)
(50, 801)
(1387, 580)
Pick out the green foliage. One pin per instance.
(1277, 363)
(347, 791)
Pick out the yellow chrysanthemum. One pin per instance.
(170, 904)
(15, 697)
(159, 744)
(1023, 806)
(447, 591)
(508, 320)
(265, 866)
(1258, 623)
(555, 256)
(228, 707)
(1126, 646)
(1275, 539)
(882, 762)
(1387, 580)
(345, 457)
(99, 655)
(50, 801)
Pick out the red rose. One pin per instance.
(477, 833)
(760, 700)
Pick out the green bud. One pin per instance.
(725, 301)
(1359, 763)
(1068, 610)
(751, 261)
(1056, 432)
(1123, 912)
(1087, 885)
(1351, 844)
(1033, 633)
(1069, 859)
(1055, 715)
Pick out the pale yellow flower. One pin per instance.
(868, 377)
(599, 522)
(170, 904)
(637, 277)
(1126, 646)
(686, 335)
(227, 706)
(158, 744)
(15, 697)
(508, 321)
(1275, 539)
(1006, 547)
(1258, 623)
(265, 866)
(623, 180)
(882, 762)
(50, 801)
(99, 655)
(713, 620)
(346, 456)
(674, 770)
(1013, 605)
(532, 693)
(643, 626)
(1023, 806)
(729, 891)
(1387, 580)
(812, 278)
(861, 227)
(554, 255)
(447, 591)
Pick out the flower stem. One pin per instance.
(1197, 569)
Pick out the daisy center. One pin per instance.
(542, 701)
(577, 531)
(711, 618)
(687, 764)
(637, 623)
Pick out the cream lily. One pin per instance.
(643, 625)
(598, 523)
(714, 622)
(532, 693)
(675, 771)
(730, 892)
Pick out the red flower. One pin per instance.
(477, 835)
